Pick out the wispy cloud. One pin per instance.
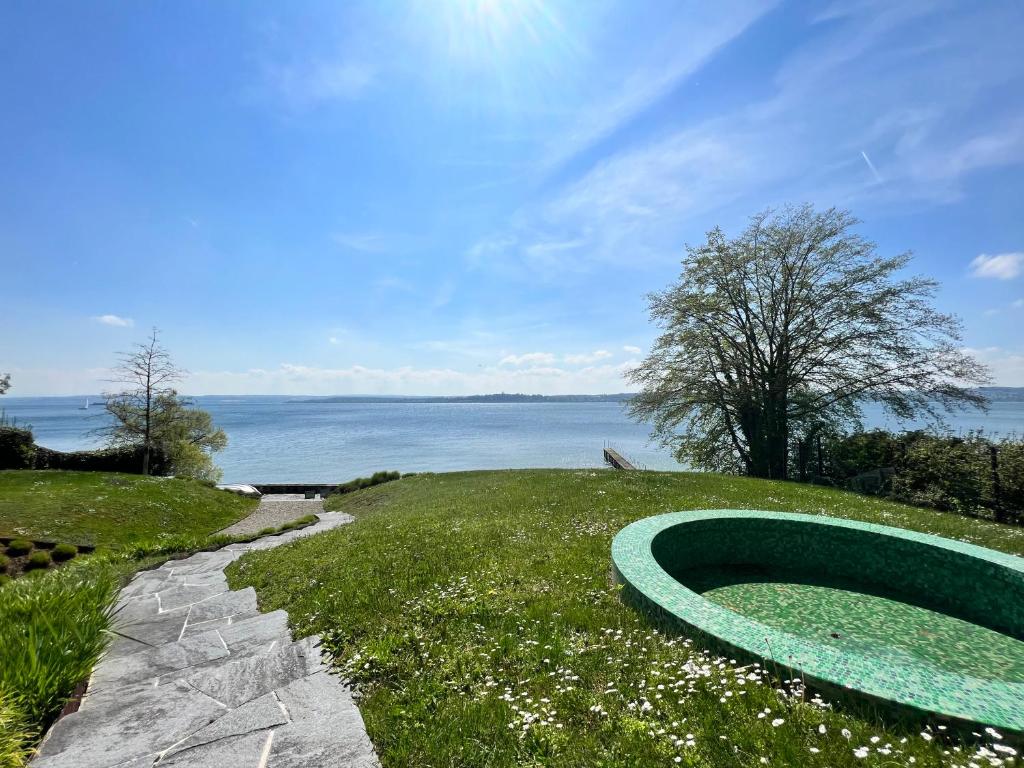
(629, 349)
(843, 90)
(443, 295)
(530, 358)
(114, 320)
(314, 83)
(679, 52)
(365, 242)
(587, 358)
(1002, 266)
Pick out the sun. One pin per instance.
(483, 30)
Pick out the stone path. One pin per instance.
(275, 510)
(198, 677)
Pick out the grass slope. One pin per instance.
(476, 614)
(102, 508)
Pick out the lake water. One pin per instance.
(276, 439)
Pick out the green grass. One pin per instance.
(476, 614)
(109, 509)
(52, 632)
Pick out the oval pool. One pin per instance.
(904, 618)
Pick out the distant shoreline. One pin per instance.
(499, 398)
(994, 394)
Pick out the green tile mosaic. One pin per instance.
(904, 618)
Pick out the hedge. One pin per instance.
(972, 474)
(19, 451)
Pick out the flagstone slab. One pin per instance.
(244, 751)
(196, 676)
(237, 682)
(127, 727)
(162, 628)
(259, 714)
(170, 657)
(223, 605)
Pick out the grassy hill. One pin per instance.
(101, 508)
(475, 612)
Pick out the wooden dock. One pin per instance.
(616, 460)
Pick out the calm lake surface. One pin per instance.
(276, 439)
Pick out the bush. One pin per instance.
(16, 547)
(63, 552)
(4, 562)
(949, 473)
(17, 450)
(38, 559)
(366, 482)
(4, 580)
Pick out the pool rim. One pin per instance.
(921, 688)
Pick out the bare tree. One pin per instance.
(146, 373)
(789, 329)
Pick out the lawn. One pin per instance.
(108, 509)
(476, 614)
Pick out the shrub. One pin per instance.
(4, 562)
(951, 473)
(17, 450)
(38, 559)
(366, 482)
(5, 579)
(63, 552)
(16, 547)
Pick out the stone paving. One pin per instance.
(198, 677)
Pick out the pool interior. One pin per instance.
(859, 617)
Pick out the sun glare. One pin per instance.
(481, 30)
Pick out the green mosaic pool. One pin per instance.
(905, 619)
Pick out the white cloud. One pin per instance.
(588, 357)
(530, 358)
(115, 320)
(629, 349)
(1018, 303)
(293, 379)
(1002, 266)
(1007, 365)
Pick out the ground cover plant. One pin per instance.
(476, 615)
(110, 509)
(52, 632)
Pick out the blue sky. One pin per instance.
(456, 196)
